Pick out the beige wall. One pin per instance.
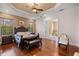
(17, 19)
(13, 17)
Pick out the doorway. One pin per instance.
(54, 27)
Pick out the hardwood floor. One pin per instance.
(49, 48)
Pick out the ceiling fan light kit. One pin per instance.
(35, 9)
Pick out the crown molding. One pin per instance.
(24, 14)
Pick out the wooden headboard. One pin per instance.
(20, 29)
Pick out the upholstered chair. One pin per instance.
(63, 40)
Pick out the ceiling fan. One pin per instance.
(35, 8)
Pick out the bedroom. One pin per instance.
(59, 16)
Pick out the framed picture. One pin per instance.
(21, 23)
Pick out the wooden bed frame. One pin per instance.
(25, 42)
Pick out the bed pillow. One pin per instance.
(23, 33)
(20, 33)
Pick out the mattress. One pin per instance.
(24, 35)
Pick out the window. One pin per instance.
(6, 26)
(30, 27)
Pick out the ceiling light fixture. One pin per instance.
(34, 10)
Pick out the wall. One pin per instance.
(12, 17)
(67, 24)
(68, 21)
(17, 19)
(77, 27)
(40, 28)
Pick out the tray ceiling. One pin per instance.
(27, 7)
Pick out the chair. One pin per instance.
(63, 40)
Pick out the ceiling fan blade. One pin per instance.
(36, 12)
(40, 9)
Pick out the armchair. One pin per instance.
(64, 40)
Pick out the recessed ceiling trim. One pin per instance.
(51, 9)
(27, 7)
(17, 9)
(26, 14)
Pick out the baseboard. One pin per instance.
(74, 44)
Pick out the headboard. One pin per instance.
(20, 29)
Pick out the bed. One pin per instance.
(25, 39)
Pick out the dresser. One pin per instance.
(7, 39)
